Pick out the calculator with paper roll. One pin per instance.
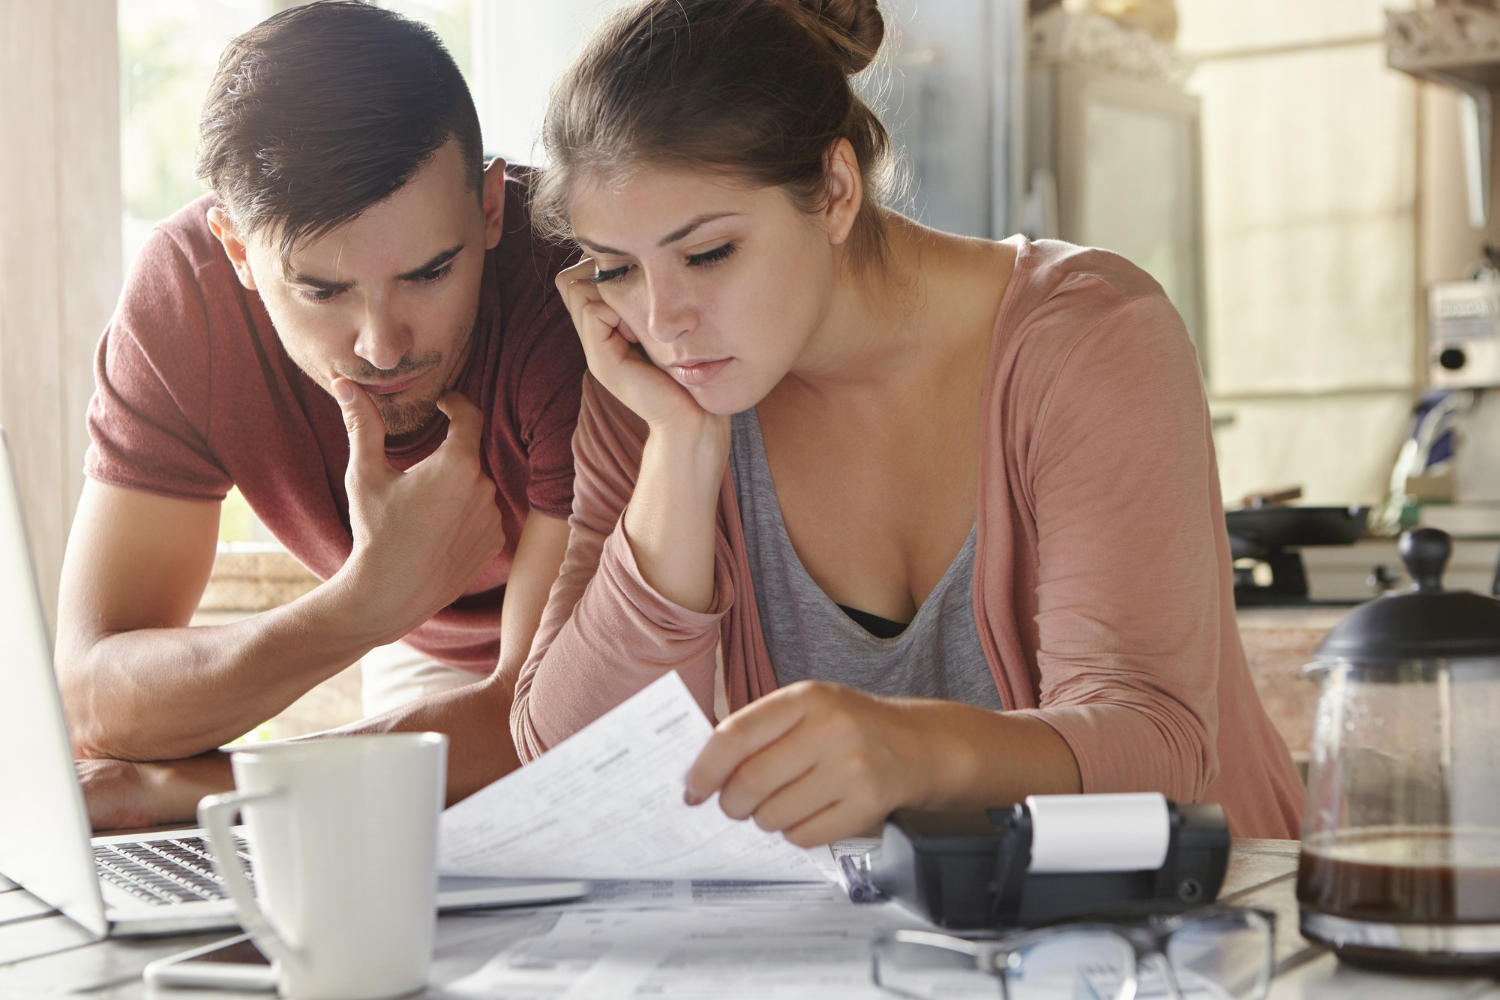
(1053, 858)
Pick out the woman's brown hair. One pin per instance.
(756, 89)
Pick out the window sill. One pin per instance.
(254, 576)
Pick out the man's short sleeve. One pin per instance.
(148, 418)
(551, 387)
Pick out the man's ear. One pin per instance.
(234, 247)
(845, 188)
(494, 202)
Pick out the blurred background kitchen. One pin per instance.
(1310, 180)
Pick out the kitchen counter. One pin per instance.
(1279, 642)
(44, 955)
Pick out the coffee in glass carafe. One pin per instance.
(1400, 863)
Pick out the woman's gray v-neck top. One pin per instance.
(809, 637)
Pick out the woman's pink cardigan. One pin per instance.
(1102, 584)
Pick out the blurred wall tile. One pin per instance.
(1320, 306)
(1233, 25)
(1311, 212)
(1301, 136)
(1310, 201)
(1339, 449)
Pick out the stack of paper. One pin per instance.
(608, 804)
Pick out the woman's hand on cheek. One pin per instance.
(816, 762)
(615, 357)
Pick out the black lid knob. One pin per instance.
(1427, 623)
(1425, 552)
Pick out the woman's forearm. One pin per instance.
(975, 758)
(670, 522)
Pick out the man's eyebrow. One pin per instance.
(435, 262)
(322, 284)
(426, 268)
(670, 238)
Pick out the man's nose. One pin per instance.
(383, 339)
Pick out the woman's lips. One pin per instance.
(699, 372)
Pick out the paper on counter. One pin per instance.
(607, 803)
(729, 954)
(613, 894)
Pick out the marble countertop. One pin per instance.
(1278, 643)
(44, 955)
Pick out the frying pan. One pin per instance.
(1256, 531)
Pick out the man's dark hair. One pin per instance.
(321, 111)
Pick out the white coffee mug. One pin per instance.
(343, 833)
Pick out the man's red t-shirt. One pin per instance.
(194, 394)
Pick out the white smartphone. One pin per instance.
(229, 964)
(236, 964)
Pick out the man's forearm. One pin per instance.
(157, 694)
(477, 721)
(126, 795)
(477, 718)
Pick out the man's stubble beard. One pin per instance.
(407, 417)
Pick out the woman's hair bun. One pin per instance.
(857, 29)
(757, 89)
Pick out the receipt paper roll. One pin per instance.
(1098, 833)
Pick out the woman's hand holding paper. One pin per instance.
(817, 762)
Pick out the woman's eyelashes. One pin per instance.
(610, 274)
(436, 274)
(710, 257)
(707, 258)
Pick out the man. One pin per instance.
(358, 331)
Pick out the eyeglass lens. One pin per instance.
(928, 972)
(1083, 965)
(1218, 957)
(1222, 955)
(1086, 965)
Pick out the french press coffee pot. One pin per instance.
(1400, 860)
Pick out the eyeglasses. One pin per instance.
(1214, 953)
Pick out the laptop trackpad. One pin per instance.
(461, 893)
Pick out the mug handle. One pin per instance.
(214, 813)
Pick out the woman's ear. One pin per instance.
(845, 189)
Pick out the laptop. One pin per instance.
(162, 883)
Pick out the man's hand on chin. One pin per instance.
(422, 536)
(127, 795)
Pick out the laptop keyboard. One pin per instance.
(165, 871)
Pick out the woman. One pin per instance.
(946, 509)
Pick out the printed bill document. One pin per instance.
(607, 804)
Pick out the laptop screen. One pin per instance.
(44, 828)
